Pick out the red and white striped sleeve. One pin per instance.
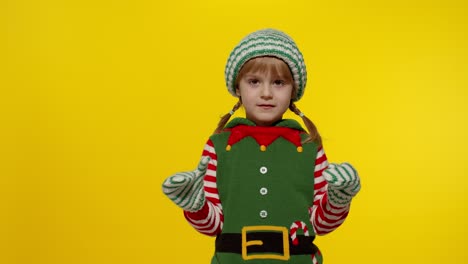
(209, 220)
(324, 217)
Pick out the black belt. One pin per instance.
(272, 242)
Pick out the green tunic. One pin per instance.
(268, 186)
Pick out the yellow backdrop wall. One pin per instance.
(101, 100)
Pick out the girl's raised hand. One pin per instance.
(186, 188)
(343, 183)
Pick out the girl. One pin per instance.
(263, 186)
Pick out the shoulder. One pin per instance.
(220, 138)
(290, 123)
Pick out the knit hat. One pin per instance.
(267, 42)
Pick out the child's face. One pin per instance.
(265, 95)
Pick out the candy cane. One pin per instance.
(293, 230)
(314, 257)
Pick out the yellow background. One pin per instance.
(101, 100)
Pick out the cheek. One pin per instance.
(247, 93)
(249, 100)
(245, 97)
(286, 95)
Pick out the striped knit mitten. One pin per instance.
(343, 183)
(186, 188)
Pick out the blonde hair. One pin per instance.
(277, 67)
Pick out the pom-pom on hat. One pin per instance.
(267, 42)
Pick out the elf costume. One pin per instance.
(261, 191)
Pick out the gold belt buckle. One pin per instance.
(246, 243)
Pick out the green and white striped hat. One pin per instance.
(267, 42)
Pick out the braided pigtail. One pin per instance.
(225, 118)
(314, 135)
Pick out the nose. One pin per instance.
(266, 92)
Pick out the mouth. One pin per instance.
(266, 106)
